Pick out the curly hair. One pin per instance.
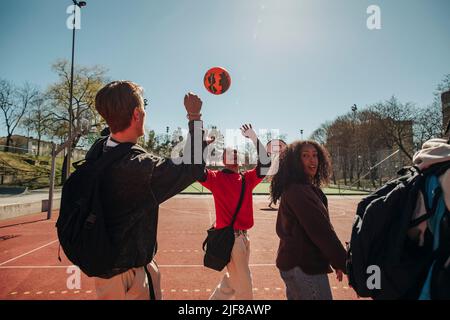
(291, 169)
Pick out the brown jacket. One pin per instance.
(307, 238)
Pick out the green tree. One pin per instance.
(37, 119)
(14, 103)
(86, 83)
(396, 119)
(151, 144)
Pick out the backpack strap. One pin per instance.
(107, 158)
(151, 288)
(431, 204)
(241, 198)
(437, 169)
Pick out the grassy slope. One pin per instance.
(32, 172)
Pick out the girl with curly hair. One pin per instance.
(308, 243)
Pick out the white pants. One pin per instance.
(130, 285)
(237, 282)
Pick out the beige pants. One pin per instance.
(130, 285)
(237, 282)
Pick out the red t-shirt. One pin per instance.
(226, 189)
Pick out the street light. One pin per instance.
(167, 134)
(79, 4)
(354, 110)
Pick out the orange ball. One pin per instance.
(217, 80)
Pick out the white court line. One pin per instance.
(270, 216)
(200, 265)
(34, 267)
(22, 255)
(209, 213)
(256, 290)
(161, 266)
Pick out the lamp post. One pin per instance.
(79, 4)
(167, 134)
(355, 110)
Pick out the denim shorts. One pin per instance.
(302, 286)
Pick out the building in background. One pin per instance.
(29, 145)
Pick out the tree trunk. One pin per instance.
(380, 180)
(351, 171)
(344, 173)
(405, 152)
(64, 166)
(39, 146)
(63, 170)
(373, 177)
(8, 142)
(359, 179)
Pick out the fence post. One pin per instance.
(52, 183)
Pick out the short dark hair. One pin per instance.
(116, 102)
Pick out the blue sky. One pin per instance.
(294, 63)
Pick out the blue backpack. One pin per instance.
(380, 238)
(437, 283)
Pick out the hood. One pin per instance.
(433, 151)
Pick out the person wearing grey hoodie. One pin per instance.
(433, 152)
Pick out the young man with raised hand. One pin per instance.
(225, 186)
(133, 187)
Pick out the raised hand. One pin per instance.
(193, 105)
(248, 132)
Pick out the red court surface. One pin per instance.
(30, 269)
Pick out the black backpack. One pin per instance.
(81, 226)
(379, 239)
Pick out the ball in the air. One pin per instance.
(217, 80)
